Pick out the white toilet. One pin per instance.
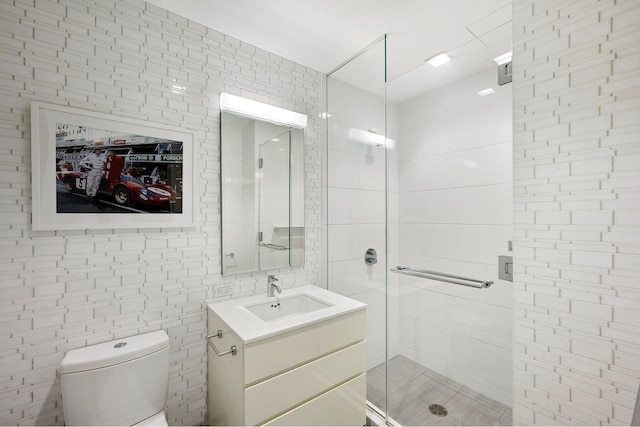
(122, 382)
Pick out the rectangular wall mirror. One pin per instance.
(262, 172)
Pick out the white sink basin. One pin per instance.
(279, 309)
(259, 316)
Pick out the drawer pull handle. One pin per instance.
(233, 350)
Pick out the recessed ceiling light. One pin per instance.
(439, 59)
(504, 58)
(487, 91)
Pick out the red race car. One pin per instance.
(125, 189)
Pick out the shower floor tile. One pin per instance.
(412, 388)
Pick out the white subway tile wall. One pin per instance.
(64, 290)
(576, 201)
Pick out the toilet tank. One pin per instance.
(120, 382)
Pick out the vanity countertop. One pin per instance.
(250, 328)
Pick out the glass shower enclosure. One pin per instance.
(423, 179)
(274, 197)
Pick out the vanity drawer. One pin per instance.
(269, 357)
(344, 405)
(285, 391)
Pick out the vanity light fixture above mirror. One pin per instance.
(258, 110)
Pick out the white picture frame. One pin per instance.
(61, 135)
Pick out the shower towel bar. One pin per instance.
(274, 246)
(443, 277)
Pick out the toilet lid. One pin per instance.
(156, 420)
(113, 352)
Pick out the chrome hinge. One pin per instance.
(505, 268)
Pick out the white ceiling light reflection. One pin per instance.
(371, 137)
(487, 91)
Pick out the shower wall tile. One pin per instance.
(470, 243)
(346, 173)
(393, 206)
(497, 129)
(577, 232)
(338, 202)
(61, 290)
(371, 172)
(344, 240)
(470, 133)
(421, 174)
(367, 207)
(432, 347)
(349, 242)
(376, 321)
(450, 102)
(481, 367)
(500, 293)
(349, 206)
(349, 278)
(482, 321)
(465, 205)
(350, 107)
(356, 211)
(467, 168)
(371, 236)
(364, 283)
(499, 204)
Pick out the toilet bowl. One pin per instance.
(121, 382)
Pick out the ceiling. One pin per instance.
(324, 34)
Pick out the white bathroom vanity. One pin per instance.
(298, 358)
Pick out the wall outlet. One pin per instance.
(223, 290)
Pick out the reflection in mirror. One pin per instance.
(262, 170)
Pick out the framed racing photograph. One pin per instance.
(97, 171)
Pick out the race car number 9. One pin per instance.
(80, 184)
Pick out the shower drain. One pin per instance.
(438, 410)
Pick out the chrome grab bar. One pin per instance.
(273, 246)
(233, 350)
(443, 277)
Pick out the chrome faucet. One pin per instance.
(271, 285)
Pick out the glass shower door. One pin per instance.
(356, 160)
(453, 171)
(274, 201)
(425, 180)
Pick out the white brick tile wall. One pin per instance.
(577, 218)
(65, 290)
